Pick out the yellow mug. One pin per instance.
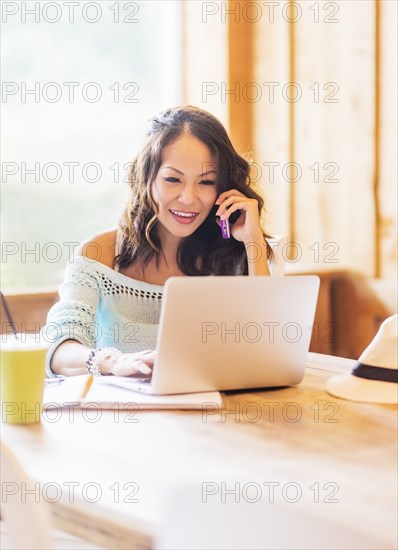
(22, 364)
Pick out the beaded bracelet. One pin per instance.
(96, 355)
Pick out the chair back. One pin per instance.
(26, 518)
(277, 264)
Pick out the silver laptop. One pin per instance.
(232, 333)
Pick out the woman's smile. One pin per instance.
(182, 216)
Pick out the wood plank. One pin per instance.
(240, 63)
(205, 68)
(335, 131)
(271, 119)
(387, 188)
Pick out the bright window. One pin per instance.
(79, 83)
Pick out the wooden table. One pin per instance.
(299, 434)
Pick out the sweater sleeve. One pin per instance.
(74, 316)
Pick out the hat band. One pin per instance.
(375, 373)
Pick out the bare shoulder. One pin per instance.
(100, 247)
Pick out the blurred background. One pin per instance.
(307, 91)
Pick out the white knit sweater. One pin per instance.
(101, 307)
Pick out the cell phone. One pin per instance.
(225, 224)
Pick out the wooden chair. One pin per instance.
(277, 265)
(26, 520)
(26, 517)
(358, 307)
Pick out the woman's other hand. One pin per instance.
(129, 364)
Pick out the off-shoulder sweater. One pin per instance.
(100, 307)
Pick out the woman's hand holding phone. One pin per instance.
(242, 214)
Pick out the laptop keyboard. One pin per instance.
(143, 380)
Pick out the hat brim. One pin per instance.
(354, 388)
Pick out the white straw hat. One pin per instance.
(374, 378)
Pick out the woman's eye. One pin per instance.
(172, 180)
(208, 182)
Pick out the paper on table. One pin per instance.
(67, 392)
(106, 395)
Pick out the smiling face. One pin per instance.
(185, 187)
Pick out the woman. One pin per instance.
(186, 174)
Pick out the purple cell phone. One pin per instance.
(225, 232)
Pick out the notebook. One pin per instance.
(232, 333)
(115, 392)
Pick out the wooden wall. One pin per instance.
(387, 139)
(329, 138)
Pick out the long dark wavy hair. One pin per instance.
(139, 223)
